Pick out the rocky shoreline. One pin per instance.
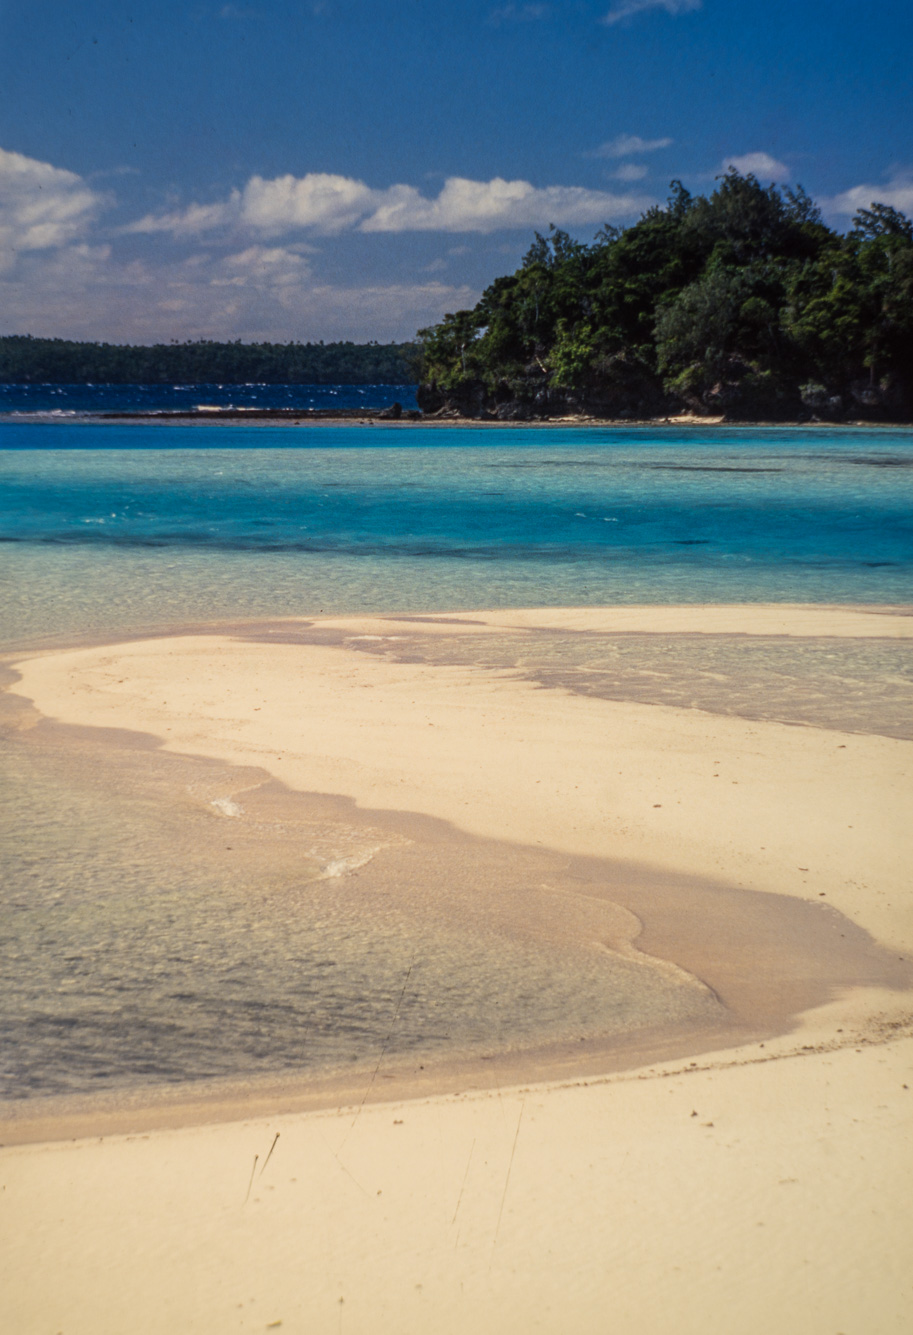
(628, 396)
(395, 413)
(449, 415)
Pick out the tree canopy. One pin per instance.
(742, 302)
(25, 360)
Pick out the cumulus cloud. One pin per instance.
(328, 204)
(626, 9)
(624, 145)
(325, 202)
(898, 192)
(487, 206)
(41, 207)
(761, 165)
(320, 200)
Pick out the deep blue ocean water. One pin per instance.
(73, 400)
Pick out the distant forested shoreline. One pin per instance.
(742, 304)
(27, 360)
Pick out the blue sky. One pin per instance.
(329, 169)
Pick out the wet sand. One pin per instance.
(757, 1177)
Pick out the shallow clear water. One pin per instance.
(153, 934)
(134, 526)
(848, 685)
(148, 937)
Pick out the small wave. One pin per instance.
(52, 412)
(342, 866)
(227, 806)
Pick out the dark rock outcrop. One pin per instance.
(619, 389)
(623, 391)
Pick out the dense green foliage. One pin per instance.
(742, 302)
(25, 360)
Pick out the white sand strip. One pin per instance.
(792, 619)
(766, 806)
(744, 1195)
(757, 1198)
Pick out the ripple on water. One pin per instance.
(163, 927)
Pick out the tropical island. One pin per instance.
(741, 304)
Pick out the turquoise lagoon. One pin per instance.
(109, 526)
(141, 950)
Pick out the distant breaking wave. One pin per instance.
(81, 400)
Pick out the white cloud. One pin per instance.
(256, 278)
(41, 207)
(276, 266)
(258, 293)
(54, 283)
(488, 206)
(320, 200)
(190, 221)
(761, 165)
(898, 192)
(623, 145)
(626, 9)
(630, 171)
(328, 204)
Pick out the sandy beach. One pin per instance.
(760, 1180)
